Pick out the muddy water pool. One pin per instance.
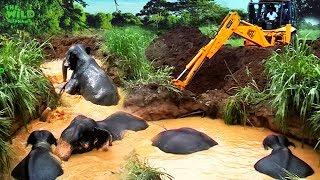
(238, 150)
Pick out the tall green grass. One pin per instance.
(127, 45)
(140, 170)
(238, 106)
(310, 34)
(23, 87)
(294, 81)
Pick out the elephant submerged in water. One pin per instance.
(85, 134)
(88, 79)
(82, 135)
(281, 161)
(183, 141)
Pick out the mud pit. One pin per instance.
(239, 147)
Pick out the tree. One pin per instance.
(308, 8)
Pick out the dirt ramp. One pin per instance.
(60, 45)
(177, 47)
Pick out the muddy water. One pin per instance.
(238, 150)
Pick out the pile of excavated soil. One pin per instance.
(60, 45)
(177, 47)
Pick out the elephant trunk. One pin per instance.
(64, 71)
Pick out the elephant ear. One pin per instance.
(102, 136)
(52, 140)
(32, 139)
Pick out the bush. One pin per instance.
(99, 20)
(23, 87)
(294, 81)
(125, 19)
(137, 170)
(238, 106)
(127, 46)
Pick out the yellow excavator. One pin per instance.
(263, 30)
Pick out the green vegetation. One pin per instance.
(23, 87)
(237, 107)
(310, 34)
(294, 88)
(127, 46)
(294, 81)
(138, 170)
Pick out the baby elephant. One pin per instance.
(281, 161)
(82, 135)
(88, 79)
(39, 163)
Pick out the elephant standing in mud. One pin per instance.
(281, 161)
(88, 79)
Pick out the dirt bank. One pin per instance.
(177, 47)
(153, 102)
(59, 45)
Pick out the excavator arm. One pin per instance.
(232, 24)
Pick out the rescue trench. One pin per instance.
(238, 149)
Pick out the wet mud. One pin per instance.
(238, 150)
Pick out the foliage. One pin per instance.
(310, 34)
(308, 8)
(294, 76)
(99, 20)
(5, 151)
(128, 46)
(238, 106)
(167, 14)
(74, 18)
(235, 42)
(209, 30)
(23, 87)
(125, 19)
(138, 170)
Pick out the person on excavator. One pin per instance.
(272, 16)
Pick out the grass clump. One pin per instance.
(23, 87)
(138, 170)
(294, 81)
(238, 106)
(127, 46)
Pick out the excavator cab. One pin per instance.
(284, 10)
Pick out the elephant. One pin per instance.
(281, 161)
(183, 141)
(88, 79)
(39, 163)
(82, 135)
(118, 122)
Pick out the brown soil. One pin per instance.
(153, 102)
(177, 47)
(60, 45)
(316, 47)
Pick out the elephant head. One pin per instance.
(277, 141)
(41, 138)
(75, 55)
